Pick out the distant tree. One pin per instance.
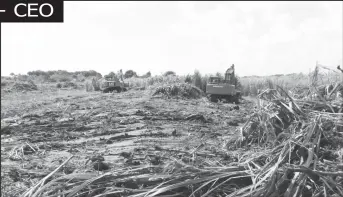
(22, 77)
(129, 74)
(218, 74)
(204, 82)
(197, 79)
(188, 79)
(98, 76)
(60, 77)
(80, 77)
(58, 85)
(238, 82)
(169, 73)
(63, 72)
(146, 75)
(111, 74)
(38, 73)
(90, 73)
(50, 73)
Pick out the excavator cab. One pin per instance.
(214, 80)
(113, 83)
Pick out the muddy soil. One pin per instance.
(107, 131)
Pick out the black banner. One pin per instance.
(31, 11)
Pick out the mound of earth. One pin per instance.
(183, 90)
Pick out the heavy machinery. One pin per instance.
(112, 84)
(219, 89)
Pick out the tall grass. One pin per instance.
(249, 86)
(93, 85)
(295, 150)
(196, 79)
(252, 85)
(135, 82)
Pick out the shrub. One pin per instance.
(147, 75)
(197, 79)
(61, 77)
(89, 87)
(90, 73)
(98, 76)
(58, 85)
(95, 84)
(169, 73)
(80, 77)
(52, 80)
(48, 74)
(238, 83)
(43, 78)
(188, 79)
(38, 73)
(23, 77)
(24, 86)
(156, 80)
(218, 74)
(111, 74)
(204, 83)
(17, 85)
(129, 74)
(5, 81)
(179, 90)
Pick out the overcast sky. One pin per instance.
(260, 38)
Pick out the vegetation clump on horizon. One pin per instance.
(250, 86)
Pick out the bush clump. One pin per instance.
(182, 90)
(24, 86)
(130, 74)
(67, 85)
(94, 85)
(18, 84)
(169, 73)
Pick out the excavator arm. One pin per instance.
(230, 74)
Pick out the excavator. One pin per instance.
(218, 89)
(114, 83)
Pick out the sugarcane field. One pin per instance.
(174, 99)
(168, 138)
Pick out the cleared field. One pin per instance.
(45, 129)
(141, 143)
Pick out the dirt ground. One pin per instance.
(40, 130)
